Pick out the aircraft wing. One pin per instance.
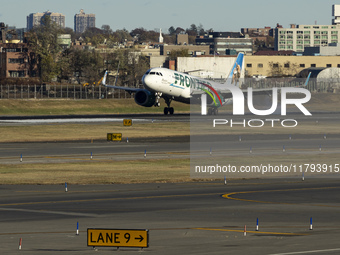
(130, 90)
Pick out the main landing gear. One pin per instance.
(212, 111)
(168, 110)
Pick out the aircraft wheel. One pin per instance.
(209, 111)
(166, 110)
(171, 110)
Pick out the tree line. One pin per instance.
(88, 65)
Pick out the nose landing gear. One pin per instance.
(158, 96)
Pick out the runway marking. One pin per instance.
(108, 199)
(33, 233)
(51, 212)
(228, 196)
(83, 191)
(239, 183)
(253, 232)
(170, 229)
(307, 252)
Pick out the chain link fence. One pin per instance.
(60, 92)
(314, 85)
(99, 92)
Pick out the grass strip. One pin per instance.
(107, 172)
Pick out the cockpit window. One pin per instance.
(155, 73)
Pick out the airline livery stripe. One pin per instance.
(211, 95)
(215, 92)
(172, 85)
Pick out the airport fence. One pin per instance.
(60, 92)
(75, 92)
(314, 85)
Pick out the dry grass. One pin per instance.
(74, 132)
(79, 107)
(319, 102)
(134, 171)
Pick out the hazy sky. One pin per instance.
(221, 15)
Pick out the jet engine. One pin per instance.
(145, 98)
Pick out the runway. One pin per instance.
(89, 119)
(184, 117)
(186, 218)
(167, 147)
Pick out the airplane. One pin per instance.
(177, 86)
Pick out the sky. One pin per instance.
(220, 15)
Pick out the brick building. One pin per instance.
(17, 61)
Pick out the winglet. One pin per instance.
(306, 83)
(104, 78)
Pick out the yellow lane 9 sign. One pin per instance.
(114, 136)
(118, 238)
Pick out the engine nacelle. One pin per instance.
(145, 98)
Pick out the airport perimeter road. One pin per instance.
(186, 218)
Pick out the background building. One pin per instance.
(258, 32)
(34, 19)
(336, 14)
(82, 21)
(226, 43)
(17, 61)
(297, 37)
(263, 38)
(64, 40)
(332, 49)
(182, 39)
(209, 67)
(280, 66)
(193, 50)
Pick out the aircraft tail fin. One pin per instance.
(104, 79)
(235, 72)
(306, 83)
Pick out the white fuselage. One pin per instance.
(172, 83)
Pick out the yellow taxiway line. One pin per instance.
(229, 196)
